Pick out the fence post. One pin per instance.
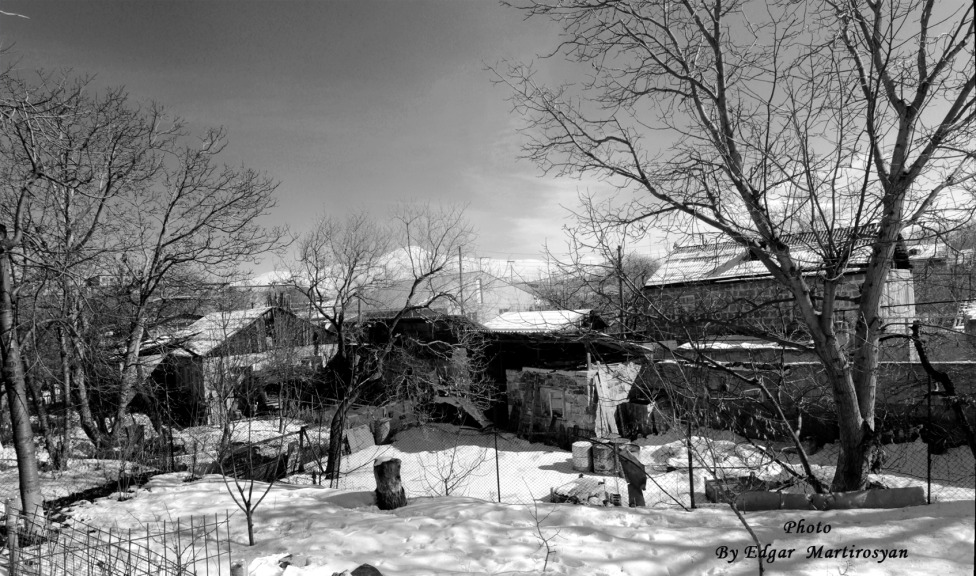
(498, 476)
(301, 450)
(193, 461)
(691, 468)
(172, 452)
(928, 446)
(11, 536)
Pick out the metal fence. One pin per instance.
(195, 546)
(497, 466)
(686, 466)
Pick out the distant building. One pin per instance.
(207, 370)
(722, 286)
(475, 294)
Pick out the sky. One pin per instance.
(350, 105)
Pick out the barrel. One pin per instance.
(381, 432)
(603, 459)
(582, 459)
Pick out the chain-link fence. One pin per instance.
(685, 467)
(685, 464)
(930, 449)
(493, 465)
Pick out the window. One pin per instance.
(555, 400)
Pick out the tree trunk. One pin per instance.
(130, 375)
(76, 354)
(16, 387)
(55, 447)
(853, 461)
(6, 429)
(389, 489)
(249, 514)
(65, 390)
(344, 371)
(334, 463)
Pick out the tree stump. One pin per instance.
(389, 490)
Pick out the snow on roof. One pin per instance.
(539, 321)
(732, 342)
(272, 278)
(210, 331)
(728, 260)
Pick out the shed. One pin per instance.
(204, 372)
(555, 403)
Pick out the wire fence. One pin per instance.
(685, 466)
(195, 546)
(498, 466)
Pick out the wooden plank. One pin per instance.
(358, 438)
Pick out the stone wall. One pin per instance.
(723, 400)
(566, 404)
(551, 402)
(742, 306)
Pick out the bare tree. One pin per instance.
(450, 472)
(600, 277)
(243, 468)
(357, 265)
(97, 150)
(834, 114)
(199, 216)
(26, 117)
(98, 186)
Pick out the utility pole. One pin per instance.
(620, 287)
(460, 281)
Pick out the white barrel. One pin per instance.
(582, 458)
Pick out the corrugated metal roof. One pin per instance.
(208, 332)
(729, 260)
(539, 321)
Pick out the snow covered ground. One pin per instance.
(440, 460)
(469, 533)
(331, 530)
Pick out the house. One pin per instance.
(721, 298)
(722, 285)
(209, 369)
(558, 378)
